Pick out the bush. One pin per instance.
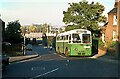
(100, 43)
(112, 48)
(15, 53)
(113, 44)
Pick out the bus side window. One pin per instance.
(61, 37)
(69, 38)
(76, 38)
(58, 38)
(66, 37)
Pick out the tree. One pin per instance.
(44, 39)
(13, 33)
(38, 28)
(84, 15)
(45, 28)
(23, 29)
(61, 30)
(32, 28)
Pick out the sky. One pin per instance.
(30, 12)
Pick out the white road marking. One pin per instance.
(62, 56)
(45, 73)
(45, 47)
(32, 68)
(59, 55)
(55, 53)
(68, 60)
(37, 68)
(51, 59)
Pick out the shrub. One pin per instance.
(112, 47)
(100, 43)
(113, 44)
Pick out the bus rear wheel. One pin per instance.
(66, 52)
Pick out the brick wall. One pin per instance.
(109, 28)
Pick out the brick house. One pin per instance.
(111, 26)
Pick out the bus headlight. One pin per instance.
(76, 49)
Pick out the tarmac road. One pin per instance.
(50, 64)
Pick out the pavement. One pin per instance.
(28, 55)
(105, 58)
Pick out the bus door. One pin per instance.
(59, 44)
(87, 44)
(62, 45)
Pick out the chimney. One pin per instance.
(116, 3)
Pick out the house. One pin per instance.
(111, 29)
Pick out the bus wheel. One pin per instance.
(66, 52)
(58, 50)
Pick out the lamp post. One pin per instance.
(47, 36)
(24, 45)
(24, 31)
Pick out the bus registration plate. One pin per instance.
(86, 46)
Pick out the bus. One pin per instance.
(77, 42)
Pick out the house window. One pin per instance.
(115, 20)
(114, 35)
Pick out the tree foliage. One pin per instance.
(84, 15)
(23, 29)
(13, 32)
(45, 28)
(32, 28)
(38, 28)
(61, 30)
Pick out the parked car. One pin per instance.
(6, 43)
(29, 47)
(4, 61)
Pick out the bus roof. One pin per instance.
(75, 31)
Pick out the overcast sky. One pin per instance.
(41, 11)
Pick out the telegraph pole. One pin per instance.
(24, 45)
(47, 37)
(118, 29)
(119, 20)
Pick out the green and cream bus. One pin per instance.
(76, 42)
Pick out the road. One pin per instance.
(50, 64)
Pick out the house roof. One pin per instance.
(106, 24)
(114, 10)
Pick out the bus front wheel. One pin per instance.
(58, 50)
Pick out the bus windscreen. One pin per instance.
(76, 38)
